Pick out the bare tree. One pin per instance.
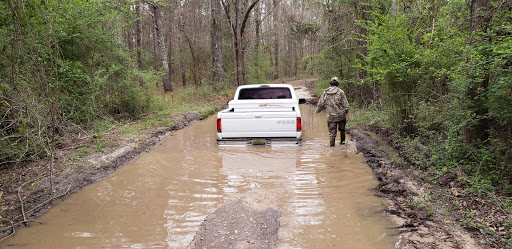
(138, 31)
(182, 52)
(275, 21)
(216, 41)
(257, 22)
(237, 13)
(195, 64)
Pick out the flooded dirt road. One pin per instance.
(160, 200)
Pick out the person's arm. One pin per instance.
(320, 106)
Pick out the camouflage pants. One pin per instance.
(340, 126)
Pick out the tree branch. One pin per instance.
(246, 17)
(227, 8)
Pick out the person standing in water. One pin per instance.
(334, 102)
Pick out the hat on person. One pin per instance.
(334, 81)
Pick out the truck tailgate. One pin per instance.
(259, 124)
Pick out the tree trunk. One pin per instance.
(479, 15)
(182, 62)
(157, 10)
(393, 8)
(362, 12)
(194, 59)
(216, 42)
(478, 131)
(169, 53)
(275, 17)
(138, 31)
(129, 39)
(238, 44)
(154, 43)
(257, 21)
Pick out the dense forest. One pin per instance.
(436, 73)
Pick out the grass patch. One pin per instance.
(204, 113)
(373, 115)
(158, 121)
(84, 150)
(129, 130)
(100, 147)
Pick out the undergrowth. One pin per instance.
(435, 153)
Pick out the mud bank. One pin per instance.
(77, 163)
(428, 215)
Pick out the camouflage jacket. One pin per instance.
(335, 104)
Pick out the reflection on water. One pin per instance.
(160, 200)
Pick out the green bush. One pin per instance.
(440, 83)
(63, 67)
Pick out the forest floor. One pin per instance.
(427, 215)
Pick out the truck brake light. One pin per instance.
(299, 124)
(219, 125)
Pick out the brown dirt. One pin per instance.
(77, 163)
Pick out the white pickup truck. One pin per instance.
(261, 114)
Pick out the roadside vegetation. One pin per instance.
(438, 76)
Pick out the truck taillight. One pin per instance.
(219, 125)
(299, 124)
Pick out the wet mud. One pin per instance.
(419, 225)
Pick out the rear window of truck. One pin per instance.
(265, 93)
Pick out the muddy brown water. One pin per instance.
(159, 200)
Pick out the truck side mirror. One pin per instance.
(302, 101)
